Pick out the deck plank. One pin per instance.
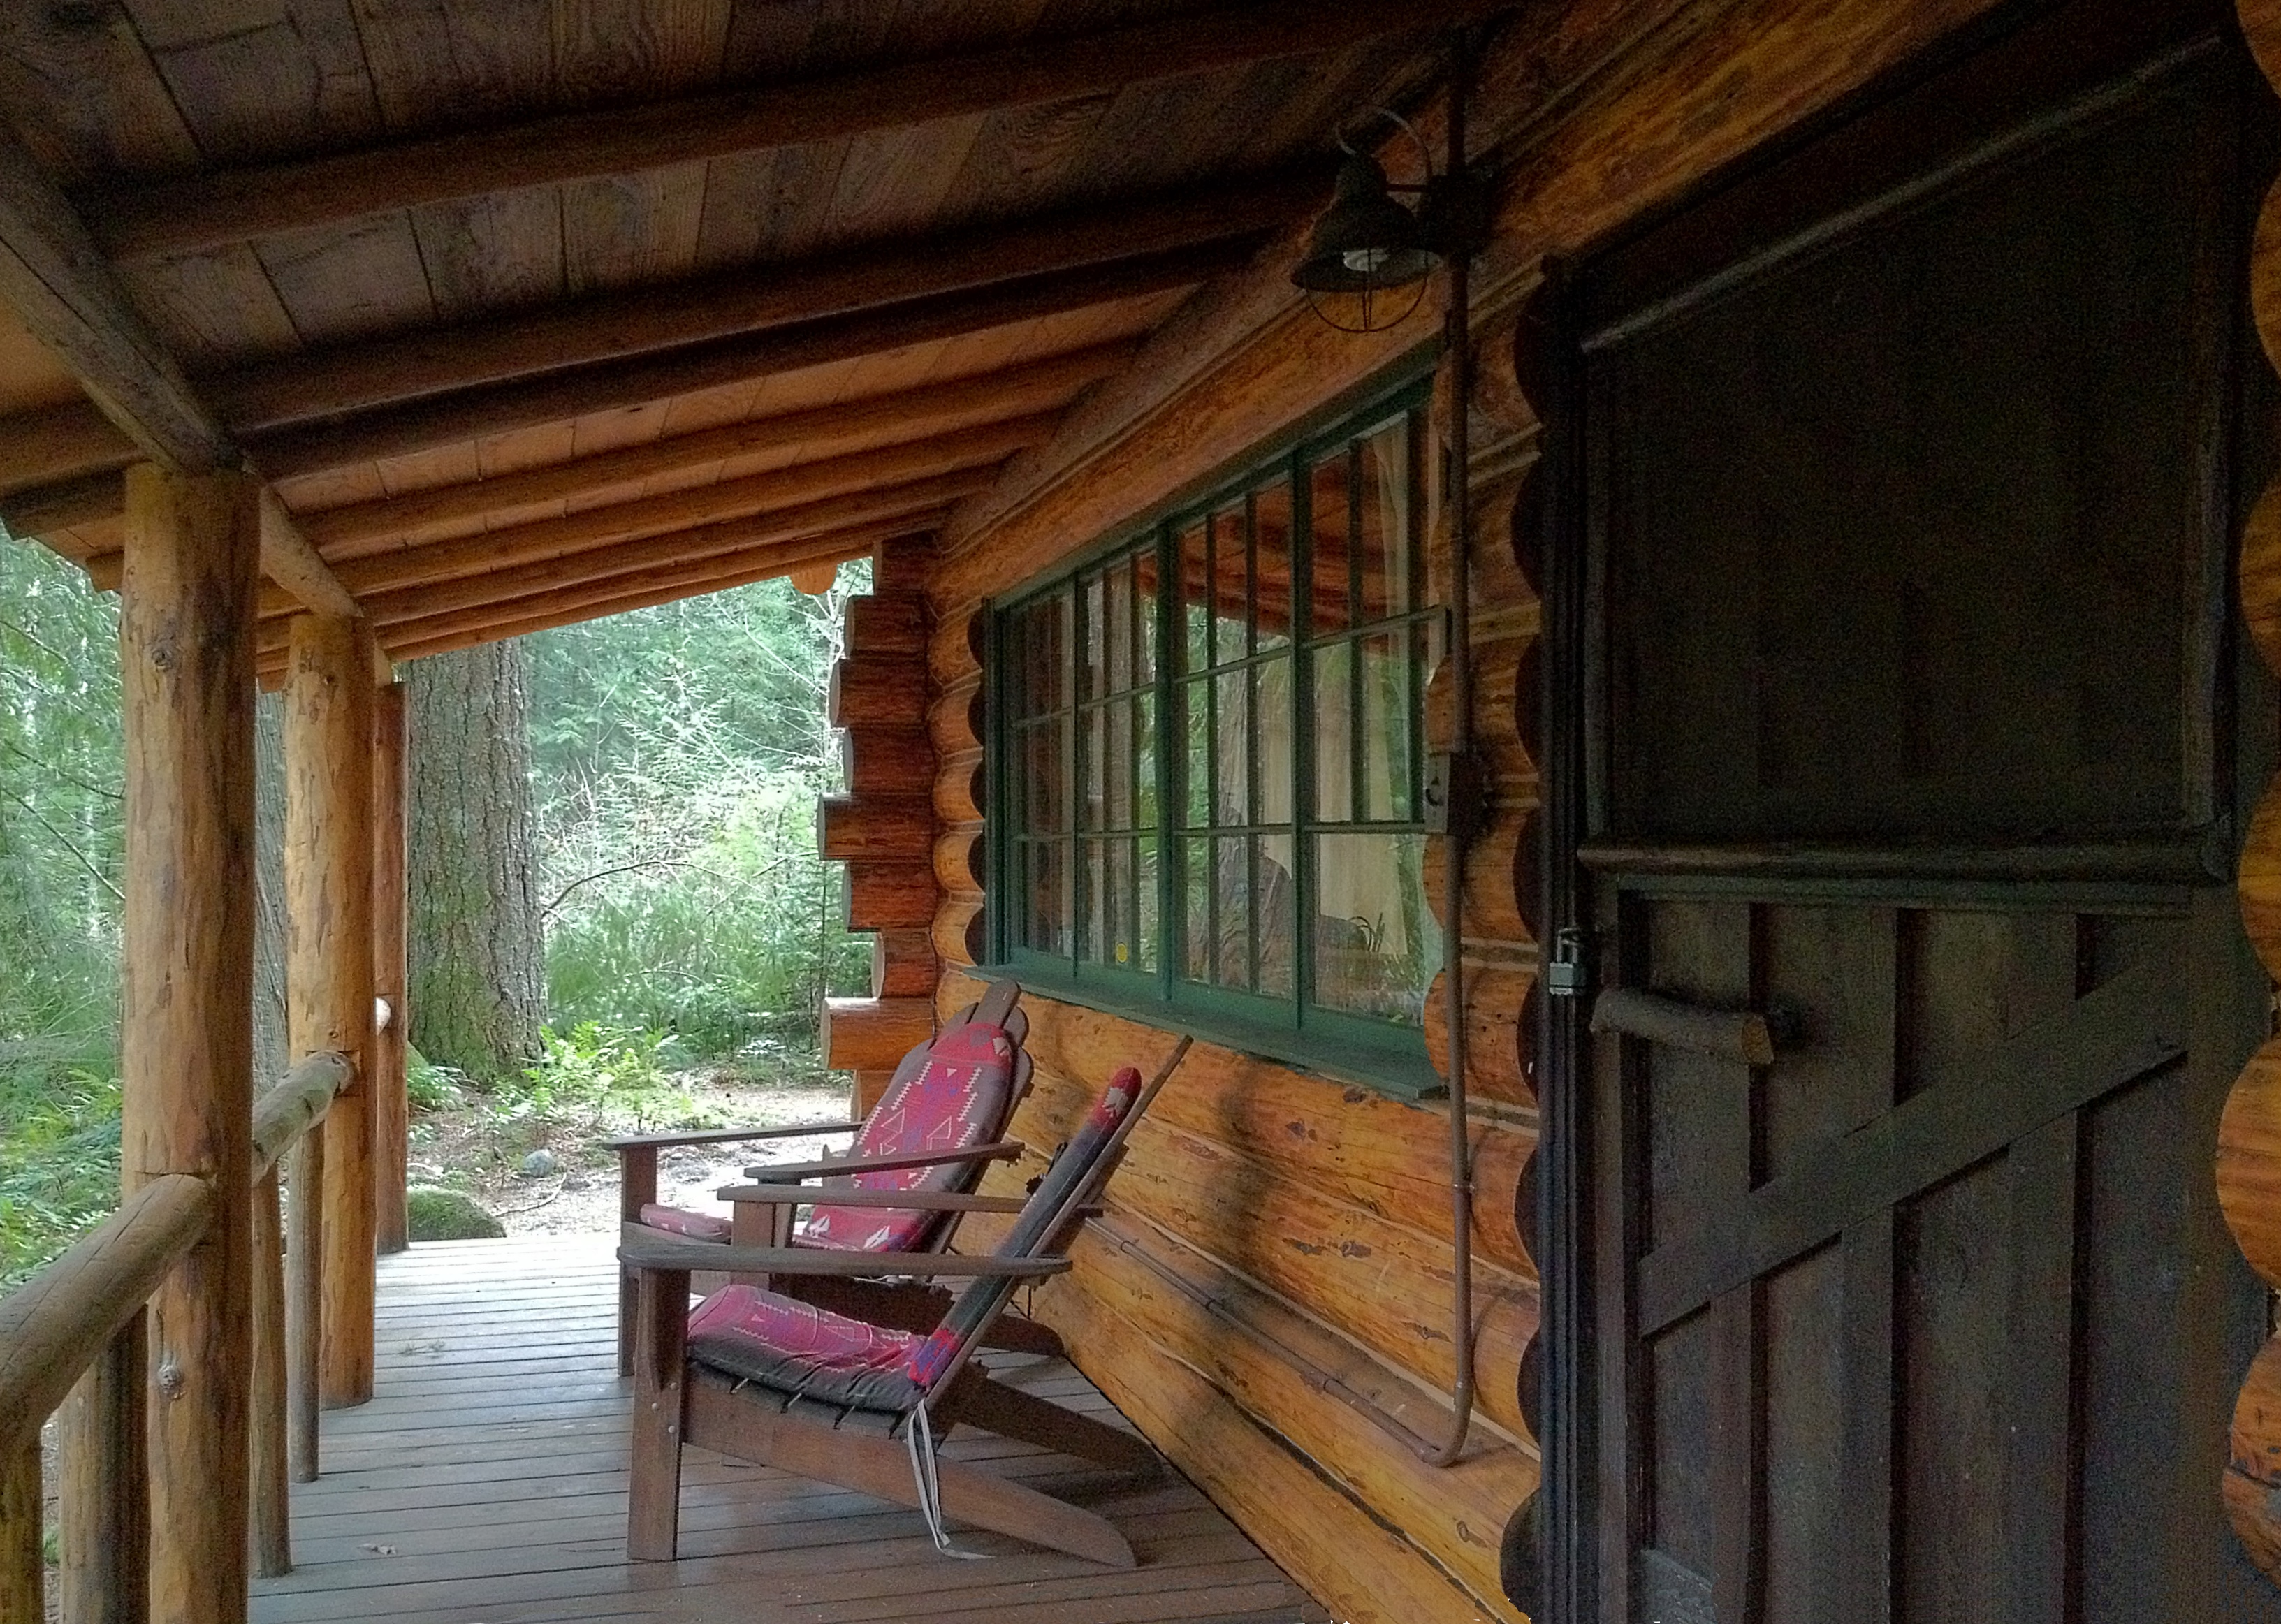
(485, 1483)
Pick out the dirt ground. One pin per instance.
(469, 1149)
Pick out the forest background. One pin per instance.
(615, 895)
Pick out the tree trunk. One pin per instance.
(476, 991)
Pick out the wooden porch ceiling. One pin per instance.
(531, 312)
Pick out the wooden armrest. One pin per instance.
(726, 1136)
(686, 1257)
(793, 1173)
(909, 1201)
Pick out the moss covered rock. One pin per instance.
(446, 1215)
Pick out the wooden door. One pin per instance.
(1905, 712)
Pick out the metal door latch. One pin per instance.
(1564, 975)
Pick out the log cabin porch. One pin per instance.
(1702, 771)
(486, 1483)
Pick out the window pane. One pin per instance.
(1045, 807)
(1335, 739)
(1117, 613)
(1119, 903)
(1144, 616)
(1231, 879)
(1045, 643)
(1196, 720)
(1195, 600)
(1094, 942)
(1198, 902)
(1119, 764)
(1231, 595)
(1384, 465)
(1272, 870)
(1096, 638)
(1376, 945)
(1045, 928)
(1331, 524)
(1386, 723)
(1232, 746)
(1146, 916)
(1271, 530)
(1092, 755)
(1144, 770)
(1271, 711)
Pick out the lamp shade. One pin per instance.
(1366, 240)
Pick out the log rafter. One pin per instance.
(344, 533)
(55, 279)
(211, 210)
(494, 349)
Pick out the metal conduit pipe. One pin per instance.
(1457, 345)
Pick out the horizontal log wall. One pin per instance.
(1275, 1238)
(882, 827)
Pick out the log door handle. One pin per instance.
(1742, 1035)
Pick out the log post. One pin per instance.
(305, 1291)
(23, 1572)
(391, 1111)
(186, 664)
(106, 1514)
(273, 1531)
(329, 894)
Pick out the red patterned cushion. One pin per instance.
(679, 1221)
(799, 1349)
(956, 1100)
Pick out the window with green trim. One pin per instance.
(1207, 754)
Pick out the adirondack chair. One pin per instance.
(939, 1122)
(780, 1382)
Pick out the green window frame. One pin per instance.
(1211, 729)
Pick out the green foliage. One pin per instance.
(62, 844)
(429, 1087)
(432, 1214)
(679, 752)
(595, 1068)
(59, 1155)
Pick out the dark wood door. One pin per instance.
(1907, 716)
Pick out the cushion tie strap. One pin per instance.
(918, 1437)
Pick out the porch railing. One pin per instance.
(74, 1339)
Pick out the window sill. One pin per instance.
(1400, 1069)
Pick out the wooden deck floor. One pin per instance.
(486, 1483)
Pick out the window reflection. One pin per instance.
(1279, 735)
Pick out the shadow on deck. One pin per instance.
(486, 1483)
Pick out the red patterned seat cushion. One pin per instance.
(801, 1349)
(956, 1097)
(680, 1221)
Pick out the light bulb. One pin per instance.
(1365, 261)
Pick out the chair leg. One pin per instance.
(875, 1462)
(654, 1478)
(1017, 1334)
(980, 1400)
(628, 1308)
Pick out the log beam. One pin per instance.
(392, 1107)
(45, 444)
(57, 282)
(344, 533)
(377, 373)
(876, 828)
(418, 639)
(328, 894)
(643, 380)
(186, 658)
(873, 1034)
(890, 896)
(208, 211)
(819, 495)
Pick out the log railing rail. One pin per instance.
(74, 1339)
